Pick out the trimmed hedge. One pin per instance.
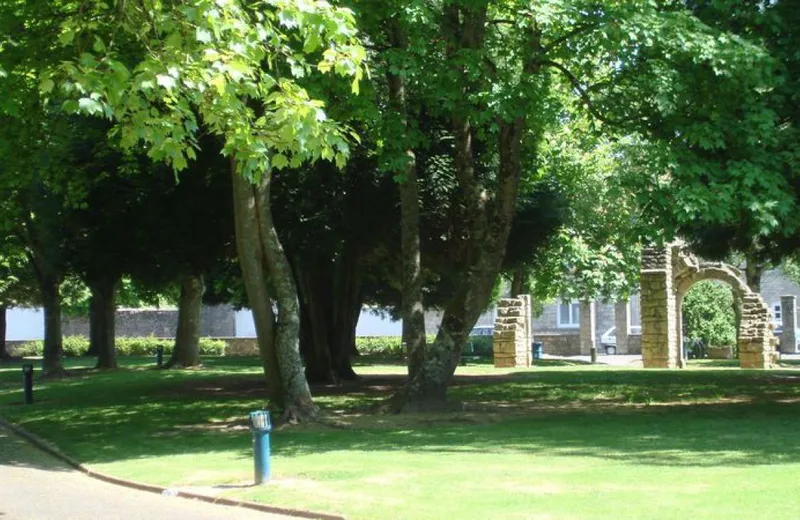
(77, 346)
(392, 346)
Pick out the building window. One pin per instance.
(777, 314)
(569, 314)
(635, 315)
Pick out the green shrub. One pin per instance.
(383, 345)
(31, 348)
(393, 346)
(212, 347)
(478, 346)
(76, 346)
(708, 316)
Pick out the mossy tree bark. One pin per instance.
(299, 404)
(186, 352)
(263, 260)
(412, 305)
(488, 218)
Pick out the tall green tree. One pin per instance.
(729, 181)
(233, 69)
(493, 75)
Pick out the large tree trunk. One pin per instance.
(299, 403)
(52, 364)
(102, 313)
(186, 352)
(345, 311)
(753, 271)
(246, 208)
(488, 219)
(489, 230)
(260, 252)
(518, 281)
(412, 305)
(3, 349)
(330, 304)
(314, 287)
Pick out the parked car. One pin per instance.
(609, 337)
(483, 330)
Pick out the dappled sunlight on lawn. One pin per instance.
(551, 433)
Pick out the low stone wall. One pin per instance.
(569, 344)
(241, 346)
(720, 352)
(560, 344)
(634, 344)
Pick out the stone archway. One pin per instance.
(666, 276)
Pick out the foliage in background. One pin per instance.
(596, 251)
(708, 314)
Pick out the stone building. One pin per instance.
(558, 326)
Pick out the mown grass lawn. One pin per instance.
(570, 441)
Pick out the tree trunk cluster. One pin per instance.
(263, 261)
(488, 223)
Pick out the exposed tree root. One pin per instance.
(55, 373)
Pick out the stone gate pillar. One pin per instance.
(528, 314)
(658, 308)
(622, 320)
(789, 317)
(510, 344)
(588, 330)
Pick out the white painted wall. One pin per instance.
(28, 324)
(369, 324)
(24, 324)
(372, 324)
(245, 326)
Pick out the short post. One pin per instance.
(27, 378)
(593, 354)
(537, 350)
(159, 356)
(260, 425)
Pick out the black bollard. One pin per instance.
(159, 356)
(593, 354)
(27, 378)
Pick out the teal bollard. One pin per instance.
(27, 382)
(261, 425)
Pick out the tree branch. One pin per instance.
(583, 92)
(563, 38)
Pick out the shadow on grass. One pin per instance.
(746, 418)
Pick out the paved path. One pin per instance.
(36, 486)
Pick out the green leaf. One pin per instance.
(46, 86)
(279, 161)
(90, 106)
(168, 82)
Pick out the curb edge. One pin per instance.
(55, 452)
